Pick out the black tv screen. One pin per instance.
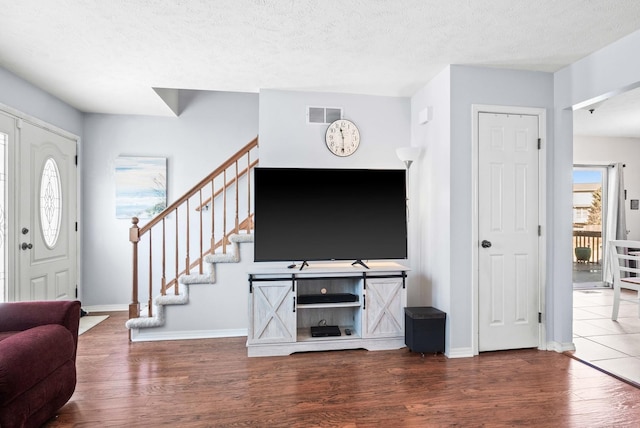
(305, 214)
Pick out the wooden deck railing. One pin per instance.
(200, 222)
(591, 239)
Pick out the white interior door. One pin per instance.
(47, 245)
(508, 198)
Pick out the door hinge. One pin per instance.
(539, 143)
(76, 226)
(76, 160)
(539, 317)
(76, 291)
(539, 230)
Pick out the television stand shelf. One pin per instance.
(304, 335)
(328, 305)
(278, 325)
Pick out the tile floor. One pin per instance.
(609, 345)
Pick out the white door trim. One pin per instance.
(13, 160)
(476, 109)
(10, 111)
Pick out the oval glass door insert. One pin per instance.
(50, 202)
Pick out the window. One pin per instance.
(589, 195)
(3, 215)
(50, 202)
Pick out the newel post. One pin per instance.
(134, 237)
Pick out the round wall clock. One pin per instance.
(342, 137)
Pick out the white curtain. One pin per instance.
(616, 223)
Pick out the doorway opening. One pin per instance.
(589, 198)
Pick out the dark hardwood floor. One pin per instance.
(200, 383)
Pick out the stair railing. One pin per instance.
(163, 247)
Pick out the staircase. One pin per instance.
(188, 242)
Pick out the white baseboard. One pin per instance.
(460, 353)
(561, 347)
(106, 308)
(146, 335)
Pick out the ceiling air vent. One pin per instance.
(323, 115)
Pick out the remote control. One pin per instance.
(347, 331)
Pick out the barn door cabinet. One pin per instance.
(271, 307)
(367, 306)
(383, 307)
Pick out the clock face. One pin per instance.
(342, 137)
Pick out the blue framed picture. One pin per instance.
(141, 186)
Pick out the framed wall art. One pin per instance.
(141, 186)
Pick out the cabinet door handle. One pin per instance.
(294, 303)
(364, 302)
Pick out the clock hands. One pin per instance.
(349, 135)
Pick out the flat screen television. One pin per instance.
(314, 214)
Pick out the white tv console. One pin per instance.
(278, 325)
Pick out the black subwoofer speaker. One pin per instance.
(424, 329)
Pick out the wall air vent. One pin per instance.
(323, 115)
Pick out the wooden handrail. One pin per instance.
(253, 143)
(175, 243)
(229, 183)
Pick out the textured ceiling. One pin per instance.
(107, 55)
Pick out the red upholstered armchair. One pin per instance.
(38, 344)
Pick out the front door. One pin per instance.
(508, 286)
(46, 215)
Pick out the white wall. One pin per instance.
(608, 150)
(609, 71)
(211, 127)
(30, 100)
(451, 273)
(432, 191)
(287, 140)
(220, 309)
(490, 86)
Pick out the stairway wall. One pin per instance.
(211, 128)
(213, 310)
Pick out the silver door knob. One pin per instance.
(486, 244)
(26, 246)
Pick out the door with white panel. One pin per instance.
(508, 231)
(47, 214)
